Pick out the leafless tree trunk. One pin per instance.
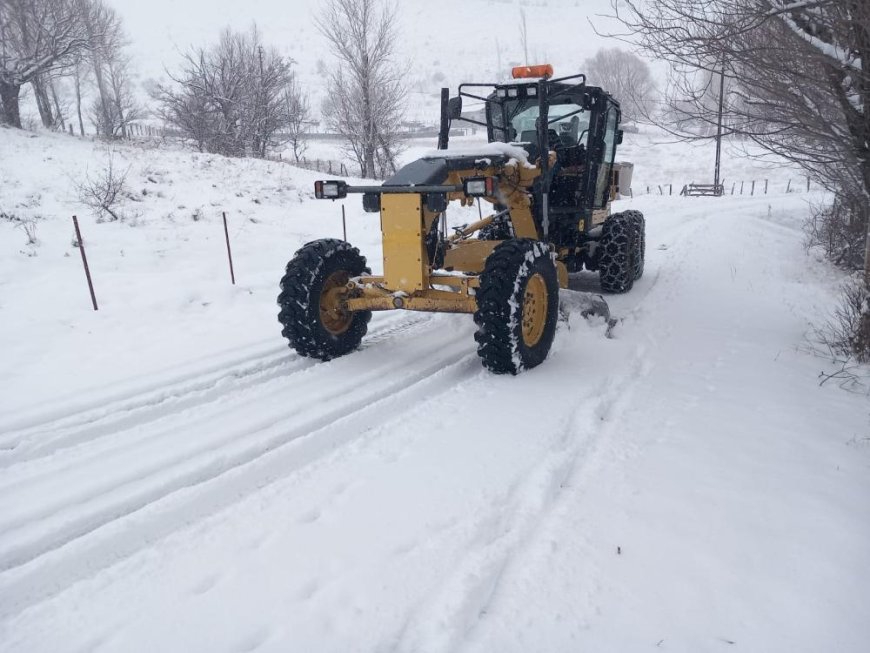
(9, 96)
(366, 89)
(43, 102)
(78, 74)
(55, 99)
(297, 117)
(524, 36)
(36, 37)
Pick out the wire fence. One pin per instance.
(749, 187)
(329, 166)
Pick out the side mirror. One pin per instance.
(619, 137)
(454, 108)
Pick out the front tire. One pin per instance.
(517, 306)
(313, 290)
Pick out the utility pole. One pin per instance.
(716, 187)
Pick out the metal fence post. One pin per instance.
(85, 261)
(229, 251)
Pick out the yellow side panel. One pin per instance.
(469, 255)
(404, 257)
(521, 216)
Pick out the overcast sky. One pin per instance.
(457, 36)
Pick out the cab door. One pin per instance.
(607, 152)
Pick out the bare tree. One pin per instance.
(36, 37)
(298, 115)
(115, 106)
(524, 36)
(800, 86)
(114, 113)
(232, 98)
(366, 90)
(625, 76)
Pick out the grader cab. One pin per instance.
(549, 175)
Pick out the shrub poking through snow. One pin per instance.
(28, 225)
(104, 193)
(839, 230)
(847, 333)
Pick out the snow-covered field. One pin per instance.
(174, 478)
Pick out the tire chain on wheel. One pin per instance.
(616, 267)
(500, 302)
(300, 299)
(638, 223)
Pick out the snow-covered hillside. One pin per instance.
(174, 478)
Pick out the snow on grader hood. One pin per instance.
(549, 188)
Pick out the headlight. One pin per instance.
(480, 186)
(330, 190)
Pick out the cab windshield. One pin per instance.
(515, 121)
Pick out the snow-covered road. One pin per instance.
(684, 486)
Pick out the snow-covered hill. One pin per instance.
(173, 478)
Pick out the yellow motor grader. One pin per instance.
(548, 173)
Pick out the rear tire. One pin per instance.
(312, 291)
(639, 251)
(617, 250)
(517, 306)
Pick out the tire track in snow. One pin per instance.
(443, 622)
(137, 525)
(51, 488)
(186, 392)
(446, 621)
(40, 565)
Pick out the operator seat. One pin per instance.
(529, 138)
(570, 132)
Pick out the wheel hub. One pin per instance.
(333, 315)
(535, 305)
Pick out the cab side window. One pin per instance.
(604, 171)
